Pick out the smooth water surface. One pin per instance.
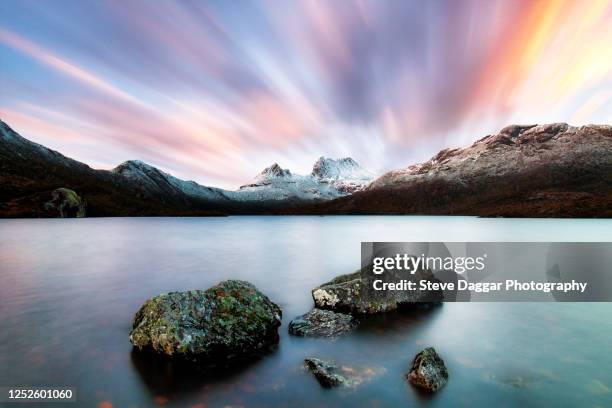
(69, 290)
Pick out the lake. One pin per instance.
(70, 288)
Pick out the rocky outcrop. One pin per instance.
(428, 371)
(232, 320)
(552, 170)
(354, 294)
(325, 372)
(322, 323)
(274, 171)
(65, 203)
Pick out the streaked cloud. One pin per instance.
(216, 91)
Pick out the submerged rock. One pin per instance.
(231, 320)
(66, 204)
(354, 293)
(331, 375)
(428, 371)
(325, 372)
(322, 323)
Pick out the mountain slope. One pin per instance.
(550, 170)
(30, 172)
(153, 179)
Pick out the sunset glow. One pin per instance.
(216, 91)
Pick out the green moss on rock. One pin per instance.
(230, 320)
(66, 203)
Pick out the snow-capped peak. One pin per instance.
(345, 168)
(274, 171)
(329, 179)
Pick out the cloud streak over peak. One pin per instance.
(216, 91)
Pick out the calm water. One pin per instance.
(69, 289)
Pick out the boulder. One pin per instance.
(232, 320)
(354, 293)
(331, 375)
(325, 372)
(428, 371)
(322, 323)
(65, 203)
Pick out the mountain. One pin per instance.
(553, 170)
(155, 180)
(344, 175)
(329, 179)
(30, 173)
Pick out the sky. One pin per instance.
(215, 91)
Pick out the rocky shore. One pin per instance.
(233, 321)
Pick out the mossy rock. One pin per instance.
(66, 203)
(232, 320)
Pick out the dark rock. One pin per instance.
(232, 320)
(322, 323)
(331, 375)
(428, 371)
(325, 372)
(66, 204)
(354, 293)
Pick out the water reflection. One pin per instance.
(167, 376)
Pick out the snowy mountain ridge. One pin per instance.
(329, 179)
(345, 168)
(550, 170)
(156, 180)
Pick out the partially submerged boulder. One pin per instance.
(65, 203)
(232, 320)
(428, 371)
(331, 375)
(325, 372)
(322, 323)
(354, 293)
